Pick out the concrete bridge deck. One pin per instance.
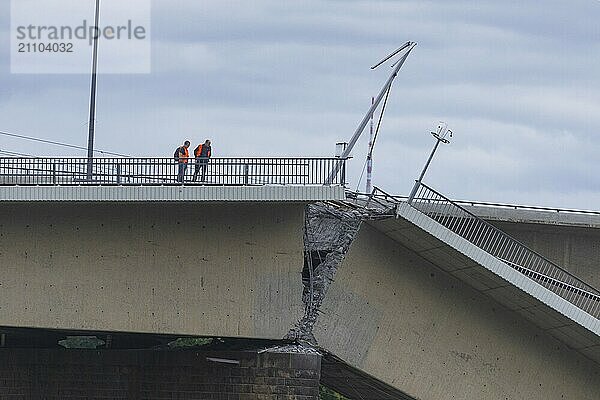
(173, 193)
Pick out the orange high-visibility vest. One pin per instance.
(198, 151)
(186, 154)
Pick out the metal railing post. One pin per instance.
(118, 173)
(343, 177)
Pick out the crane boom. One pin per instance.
(361, 127)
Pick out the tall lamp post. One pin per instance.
(442, 135)
(92, 122)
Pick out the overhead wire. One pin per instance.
(72, 146)
(13, 153)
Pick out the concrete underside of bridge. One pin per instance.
(204, 268)
(398, 317)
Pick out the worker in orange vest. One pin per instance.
(181, 156)
(202, 154)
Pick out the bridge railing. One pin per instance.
(502, 246)
(480, 204)
(163, 171)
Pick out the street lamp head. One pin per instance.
(442, 133)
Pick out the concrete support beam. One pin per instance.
(201, 269)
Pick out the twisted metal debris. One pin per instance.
(328, 234)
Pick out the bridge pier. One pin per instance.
(151, 374)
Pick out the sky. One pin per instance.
(516, 81)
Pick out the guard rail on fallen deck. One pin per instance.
(163, 171)
(500, 245)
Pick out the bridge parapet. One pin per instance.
(246, 171)
(507, 249)
(156, 179)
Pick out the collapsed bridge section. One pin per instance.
(423, 309)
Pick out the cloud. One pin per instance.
(515, 80)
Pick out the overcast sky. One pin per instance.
(517, 81)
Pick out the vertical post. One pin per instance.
(118, 173)
(418, 182)
(370, 154)
(440, 135)
(92, 121)
(54, 173)
(246, 170)
(371, 195)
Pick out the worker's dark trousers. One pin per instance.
(201, 163)
(181, 172)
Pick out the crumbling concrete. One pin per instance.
(329, 232)
(292, 349)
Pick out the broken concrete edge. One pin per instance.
(329, 232)
(298, 347)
